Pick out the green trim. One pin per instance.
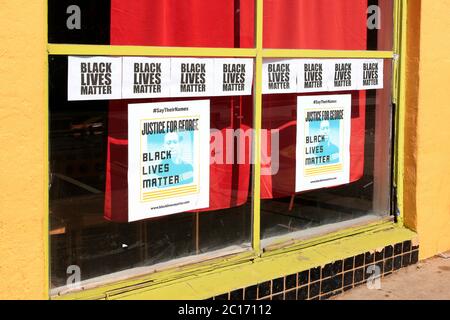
(159, 278)
(295, 245)
(349, 54)
(400, 93)
(221, 281)
(217, 276)
(114, 50)
(91, 50)
(257, 125)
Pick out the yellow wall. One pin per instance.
(428, 184)
(23, 140)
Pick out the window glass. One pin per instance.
(79, 21)
(328, 24)
(191, 23)
(121, 164)
(300, 196)
(90, 151)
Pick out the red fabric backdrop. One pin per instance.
(318, 24)
(279, 113)
(315, 24)
(183, 23)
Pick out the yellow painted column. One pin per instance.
(427, 166)
(23, 137)
(409, 117)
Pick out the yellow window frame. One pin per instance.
(258, 53)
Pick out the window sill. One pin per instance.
(210, 278)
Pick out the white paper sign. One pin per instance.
(233, 77)
(145, 77)
(168, 158)
(94, 78)
(343, 75)
(323, 141)
(279, 76)
(313, 75)
(371, 74)
(192, 77)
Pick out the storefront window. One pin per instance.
(153, 136)
(92, 226)
(322, 182)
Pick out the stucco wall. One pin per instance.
(432, 155)
(23, 140)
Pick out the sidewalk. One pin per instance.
(427, 280)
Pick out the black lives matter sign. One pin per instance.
(321, 75)
(312, 76)
(343, 75)
(371, 72)
(145, 77)
(94, 78)
(192, 77)
(279, 76)
(233, 76)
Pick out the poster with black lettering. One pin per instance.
(371, 74)
(168, 158)
(279, 76)
(312, 76)
(145, 77)
(343, 74)
(94, 78)
(233, 77)
(192, 77)
(323, 141)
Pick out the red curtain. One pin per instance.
(183, 23)
(318, 24)
(229, 183)
(279, 113)
(304, 24)
(315, 24)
